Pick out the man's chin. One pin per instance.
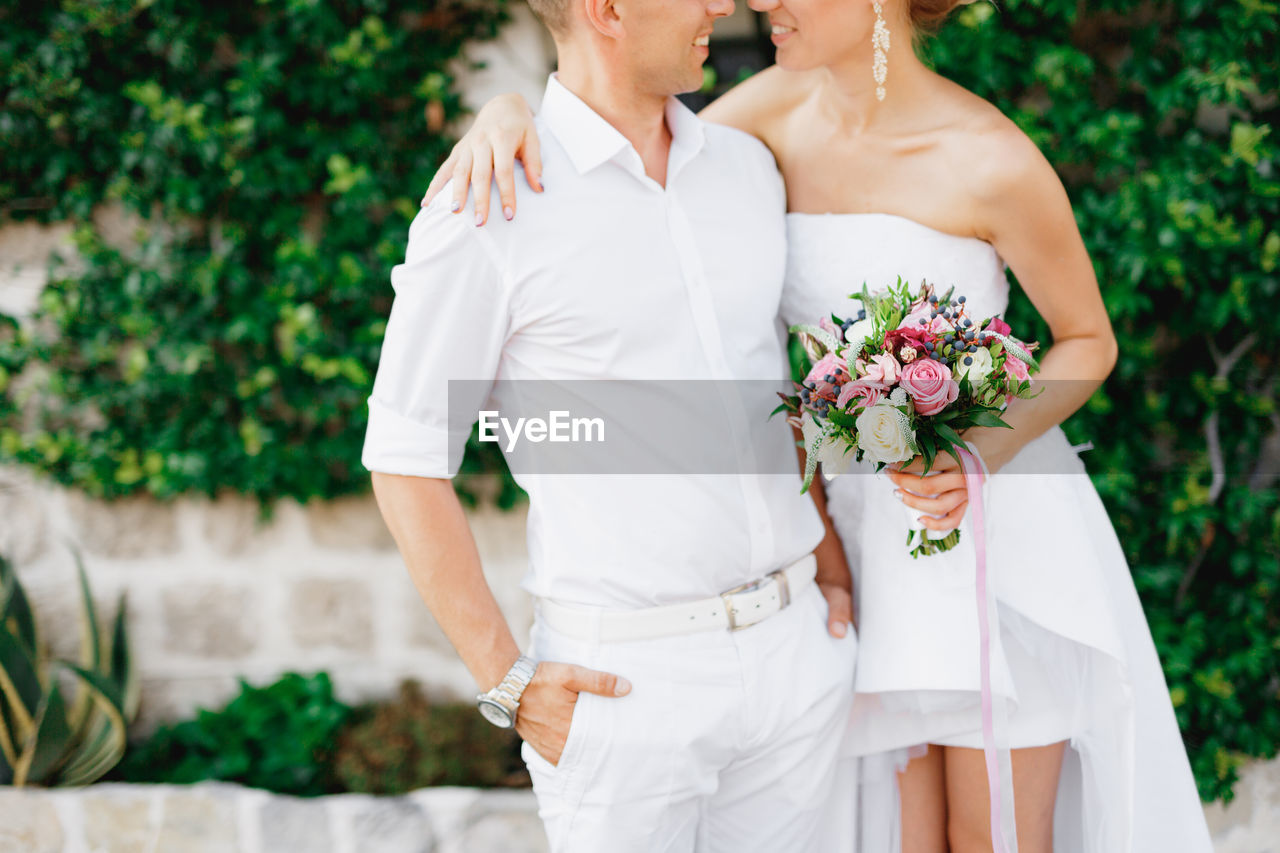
(684, 83)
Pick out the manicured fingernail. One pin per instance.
(897, 493)
(456, 206)
(479, 219)
(423, 203)
(839, 629)
(622, 688)
(508, 212)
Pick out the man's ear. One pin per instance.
(604, 17)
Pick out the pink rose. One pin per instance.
(883, 370)
(929, 385)
(1000, 327)
(1015, 369)
(936, 326)
(866, 393)
(829, 365)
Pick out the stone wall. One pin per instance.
(214, 593)
(221, 818)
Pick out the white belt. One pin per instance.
(733, 609)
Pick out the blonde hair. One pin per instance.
(927, 15)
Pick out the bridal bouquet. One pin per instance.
(901, 379)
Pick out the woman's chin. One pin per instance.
(794, 60)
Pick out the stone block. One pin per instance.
(391, 825)
(28, 822)
(231, 525)
(168, 700)
(338, 613)
(210, 620)
(199, 819)
(124, 528)
(291, 823)
(23, 535)
(349, 523)
(505, 821)
(1222, 819)
(117, 819)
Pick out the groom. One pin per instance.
(682, 691)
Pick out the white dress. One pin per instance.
(1074, 659)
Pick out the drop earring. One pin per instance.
(880, 41)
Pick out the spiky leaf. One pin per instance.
(50, 742)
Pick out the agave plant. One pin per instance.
(43, 739)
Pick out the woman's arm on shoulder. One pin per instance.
(503, 132)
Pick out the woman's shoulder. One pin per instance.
(1001, 167)
(988, 148)
(760, 104)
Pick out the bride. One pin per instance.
(892, 170)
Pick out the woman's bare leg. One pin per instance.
(923, 787)
(1035, 790)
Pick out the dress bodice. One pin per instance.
(830, 255)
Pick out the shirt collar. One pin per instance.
(589, 140)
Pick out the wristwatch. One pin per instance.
(500, 704)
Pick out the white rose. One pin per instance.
(885, 434)
(859, 331)
(831, 453)
(979, 369)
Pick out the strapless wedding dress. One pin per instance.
(1074, 659)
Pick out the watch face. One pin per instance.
(495, 713)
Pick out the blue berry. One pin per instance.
(968, 359)
(961, 300)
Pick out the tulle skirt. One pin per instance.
(1073, 659)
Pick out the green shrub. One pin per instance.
(397, 746)
(294, 737)
(279, 737)
(276, 151)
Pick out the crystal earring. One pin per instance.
(880, 41)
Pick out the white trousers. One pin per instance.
(728, 741)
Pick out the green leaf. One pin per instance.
(988, 418)
(20, 684)
(51, 742)
(948, 434)
(15, 610)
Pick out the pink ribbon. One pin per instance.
(973, 475)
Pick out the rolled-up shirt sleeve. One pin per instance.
(449, 321)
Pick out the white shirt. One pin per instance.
(607, 276)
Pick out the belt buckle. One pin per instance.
(784, 596)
